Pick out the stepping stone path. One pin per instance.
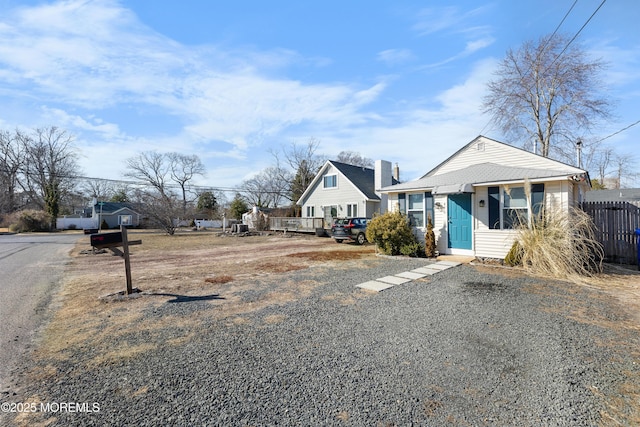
(407, 276)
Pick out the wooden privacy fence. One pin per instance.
(616, 223)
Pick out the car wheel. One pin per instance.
(360, 239)
(338, 241)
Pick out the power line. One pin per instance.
(615, 133)
(579, 31)
(563, 50)
(543, 49)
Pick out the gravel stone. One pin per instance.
(461, 347)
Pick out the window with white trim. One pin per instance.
(330, 181)
(352, 210)
(509, 207)
(415, 209)
(311, 211)
(125, 219)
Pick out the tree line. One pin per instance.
(39, 171)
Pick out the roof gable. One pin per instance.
(485, 174)
(486, 150)
(362, 179)
(111, 207)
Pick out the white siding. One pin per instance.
(343, 194)
(493, 243)
(483, 150)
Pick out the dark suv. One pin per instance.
(353, 229)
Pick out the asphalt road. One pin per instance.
(31, 266)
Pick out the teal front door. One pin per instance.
(459, 216)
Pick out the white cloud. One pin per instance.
(96, 55)
(395, 56)
(419, 138)
(87, 64)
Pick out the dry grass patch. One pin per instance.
(329, 255)
(219, 279)
(202, 266)
(274, 319)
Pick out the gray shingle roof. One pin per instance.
(363, 178)
(619, 195)
(479, 174)
(110, 207)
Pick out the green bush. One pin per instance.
(391, 232)
(415, 250)
(29, 220)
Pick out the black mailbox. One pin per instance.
(106, 240)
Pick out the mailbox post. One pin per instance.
(113, 241)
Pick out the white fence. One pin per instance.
(215, 223)
(305, 225)
(75, 223)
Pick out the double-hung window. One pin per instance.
(509, 207)
(330, 181)
(415, 210)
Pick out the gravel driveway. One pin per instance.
(468, 346)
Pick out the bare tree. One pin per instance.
(268, 188)
(50, 169)
(12, 158)
(548, 93)
(183, 169)
(150, 168)
(158, 202)
(303, 163)
(355, 159)
(159, 173)
(100, 189)
(625, 170)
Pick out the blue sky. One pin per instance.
(229, 81)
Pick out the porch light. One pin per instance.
(481, 203)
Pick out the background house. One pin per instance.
(115, 214)
(341, 190)
(629, 195)
(475, 196)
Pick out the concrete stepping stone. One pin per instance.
(449, 263)
(374, 285)
(426, 270)
(411, 275)
(394, 280)
(438, 266)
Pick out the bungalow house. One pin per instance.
(341, 190)
(115, 214)
(475, 195)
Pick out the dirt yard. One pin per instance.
(186, 266)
